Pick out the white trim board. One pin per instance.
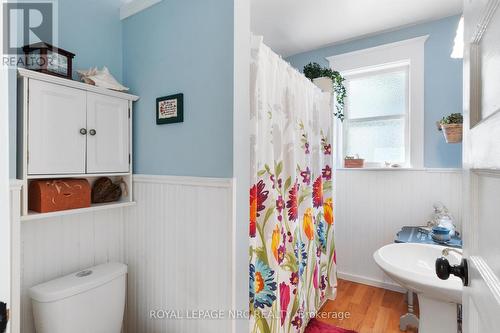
(135, 6)
(183, 180)
(371, 282)
(15, 184)
(440, 170)
(30, 74)
(411, 51)
(339, 59)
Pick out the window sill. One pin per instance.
(403, 169)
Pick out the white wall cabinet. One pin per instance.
(56, 115)
(69, 129)
(108, 139)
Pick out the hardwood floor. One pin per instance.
(371, 309)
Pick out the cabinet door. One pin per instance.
(56, 125)
(108, 134)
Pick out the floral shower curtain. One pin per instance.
(292, 249)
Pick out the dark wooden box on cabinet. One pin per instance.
(52, 195)
(49, 59)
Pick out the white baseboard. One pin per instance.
(371, 282)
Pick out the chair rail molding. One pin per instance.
(184, 180)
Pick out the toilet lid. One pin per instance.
(77, 283)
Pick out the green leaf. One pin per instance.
(279, 168)
(261, 254)
(303, 196)
(269, 212)
(295, 307)
(287, 267)
(261, 322)
(319, 216)
(261, 173)
(288, 182)
(327, 185)
(268, 169)
(291, 261)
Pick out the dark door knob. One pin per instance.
(92, 132)
(444, 269)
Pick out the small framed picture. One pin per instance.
(170, 109)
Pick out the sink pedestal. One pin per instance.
(437, 316)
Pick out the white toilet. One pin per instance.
(90, 301)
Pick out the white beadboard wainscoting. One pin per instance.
(59, 246)
(15, 270)
(372, 205)
(176, 241)
(179, 251)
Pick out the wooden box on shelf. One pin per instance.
(52, 195)
(353, 163)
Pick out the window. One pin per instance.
(376, 110)
(384, 109)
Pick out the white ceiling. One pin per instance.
(294, 26)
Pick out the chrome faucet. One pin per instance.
(447, 251)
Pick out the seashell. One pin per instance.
(101, 78)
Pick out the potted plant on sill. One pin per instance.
(452, 127)
(325, 77)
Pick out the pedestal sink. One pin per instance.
(413, 267)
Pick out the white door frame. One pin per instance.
(481, 162)
(5, 246)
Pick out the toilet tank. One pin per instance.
(89, 301)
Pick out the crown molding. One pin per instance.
(136, 6)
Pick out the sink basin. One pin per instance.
(413, 267)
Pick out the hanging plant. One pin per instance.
(314, 70)
(452, 127)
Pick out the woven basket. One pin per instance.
(452, 132)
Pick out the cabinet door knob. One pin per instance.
(83, 131)
(92, 132)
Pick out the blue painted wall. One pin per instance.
(443, 80)
(182, 46)
(93, 31)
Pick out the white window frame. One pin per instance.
(383, 69)
(410, 52)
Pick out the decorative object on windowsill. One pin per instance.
(353, 162)
(52, 195)
(314, 70)
(170, 109)
(452, 127)
(101, 78)
(105, 191)
(46, 58)
(392, 165)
